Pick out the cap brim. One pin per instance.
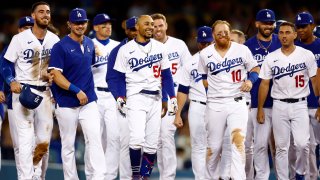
(207, 40)
(82, 20)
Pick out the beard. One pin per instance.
(223, 43)
(265, 35)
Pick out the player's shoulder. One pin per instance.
(175, 42)
(52, 35)
(251, 41)
(114, 41)
(207, 51)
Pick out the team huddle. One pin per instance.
(247, 97)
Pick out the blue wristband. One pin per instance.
(74, 89)
(253, 77)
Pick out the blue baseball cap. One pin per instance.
(265, 15)
(204, 34)
(316, 31)
(304, 18)
(25, 21)
(131, 22)
(101, 18)
(29, 99)
(278, 23)
(78, 15)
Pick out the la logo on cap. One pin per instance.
(268, 15)
(299, 18)
(106, 16)
(79, 14)
(28, 19)
(204, 34)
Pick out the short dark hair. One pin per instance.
(286, 23)
(35, 5)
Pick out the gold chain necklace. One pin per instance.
(142, 49)
(262, 46)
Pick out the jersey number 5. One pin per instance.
(156, 71)
(299, 80)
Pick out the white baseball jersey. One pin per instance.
(141, 64)
(99, 68)
(290, 74)
(30, 56)
(226, 74)
(189, 76)
(178, 54)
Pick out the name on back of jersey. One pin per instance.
(225, 65)
(279, 72)
(137, 64)
(173, 56)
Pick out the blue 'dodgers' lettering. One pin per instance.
(137, 64)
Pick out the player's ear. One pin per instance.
(256, 24)
(69, 25)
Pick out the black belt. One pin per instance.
(238, 98)
(103, 89)
(39, 88)
(291, 100)
(150, 92)
(204, 103)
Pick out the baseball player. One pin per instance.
(290, 67)
(111, 78)
(190, 84)
(237, 36)
(73, 90)
(178, 54)
(226, 160)
(106, 103)
(305, 24)
(23, 24)
(2, 100)
(259, 133)
(224, 66)
(29, 52)
(140, 60)
(316, 31)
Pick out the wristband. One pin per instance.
(253, 77)
(9, 80)
(74, 89)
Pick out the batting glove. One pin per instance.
(174, 106)
(121, 105)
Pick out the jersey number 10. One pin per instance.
(236, 75)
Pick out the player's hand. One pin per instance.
(260, 116)
(15, 87)
(317, 115)
(2, 97)
(164, 108)
(178, 121)
(121, 105)
(82, 97)
(246, 86)
(173, 105)
(46, 76)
